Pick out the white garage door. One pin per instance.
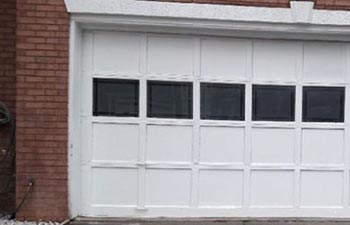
(189, 126)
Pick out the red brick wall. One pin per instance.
(42, 108)
(319, 4)
(7, 89)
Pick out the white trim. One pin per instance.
(172, 25)
(202, 11)
(302, 11)
(74, 157)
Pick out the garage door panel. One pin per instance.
(114, 186)
(169, 143)
(115, 142)
(160, 189)
(272, 188)
(321, 188)
(117, 53)
(321, 146)
(273, 145)
(226, 59)
(325, 61)
(170, 55)
(215, 127)
(222, 144)
(221, 188)
(276, 60)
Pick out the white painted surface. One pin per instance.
(302, 11)
(222, 144)
(169, 143)
(168, 187)
(191, 168)
(220, 188)
(273, 145)
(114, 186)
(325, 62)
(205, 11)
(224, 58)
(322, 146)
(322, 189)
(115, 142)
(170, 56)
(117, 53)
(272, 188)
(276, 60)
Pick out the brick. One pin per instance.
(42, 103)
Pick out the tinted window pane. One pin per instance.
(222, 101)
(323, 104)
(116, 97)
(169, 99)
(273, 103)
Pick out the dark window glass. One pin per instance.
(273, 103)
(222, 101)
(116, 97)
(169, 99)
(323, 104)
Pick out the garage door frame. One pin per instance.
(79, 23)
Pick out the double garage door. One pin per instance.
(193, 126)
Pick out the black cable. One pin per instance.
(29, 189)
(8, 153)
(5, 115)
(6, 119)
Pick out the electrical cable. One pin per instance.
(29, 189)
(7, 153)
(6, 119)
(5, 115)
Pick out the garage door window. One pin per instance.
(273, 103)
(222, 101)
(116, 97)
(323, 104)
(169, 99)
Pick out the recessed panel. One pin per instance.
(169, 143)
(114, 186)
(272, 188)
(222, 144)
(276, 60)
(273, 145)
(170, 55)
(117, 52)
(115, 142)
(168, 187)
(321, 188)
(322, 146)
(224, 59)
(220, 188)
(324, 61)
